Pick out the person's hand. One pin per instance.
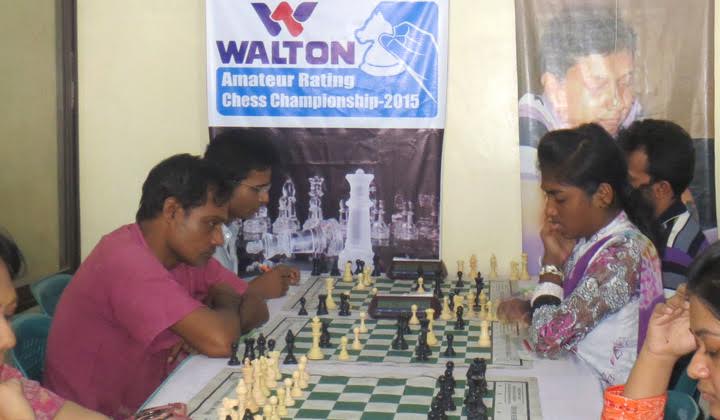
(253, 312)
(514, 310)
(557, 248)
(668, 334)
(180, 348)
(14, 405)
(274, 283)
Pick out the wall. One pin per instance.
(142, 98)
(28, 132)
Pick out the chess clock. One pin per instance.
(392, 306)
(409, 269)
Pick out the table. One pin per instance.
(568, 387)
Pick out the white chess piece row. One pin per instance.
(253, 390)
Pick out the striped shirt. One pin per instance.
(685, 240)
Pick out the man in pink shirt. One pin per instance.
(149, 289)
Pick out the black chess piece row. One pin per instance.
(250, 349)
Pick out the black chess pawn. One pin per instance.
(420, 350)
(451, 301)
(459, 284)
(399, 342)
(344, 305)
(436, 412)
(290, 347)
(459, 321)
(405, 319)
(449, 351)
(233, 355)
(325, 335)
(449, 367)
(302, 310)
(322, 305)
(334, 270)
(359, 266)
(376, 266)
(261, 345)
(437, 289)
(248, 415)
(249, 349)
(316, 271)
(271, 345)
(448, 389)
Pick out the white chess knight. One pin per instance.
(377, 61)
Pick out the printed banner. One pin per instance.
(340, 63)
(614, 62)
(348, 91)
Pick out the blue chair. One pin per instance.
(681, 406)
(28, 355)
(47, 291)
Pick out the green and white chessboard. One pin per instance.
(360, 299)
(379, 398)
(377, 341)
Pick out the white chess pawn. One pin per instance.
(267, 411)
(282, 408)
(356, 341)
(490, 312)
(446, 314)
(289, 401)
(241, 390)
(344, 355)
(360, 282)
(347, 274)
(329, 287)
(270, 380)
(302, 382)
(374, 291)
(420, 282)
(363, 328)
(524, 275)
(431, 338)
(274, 408)
(367, 276)
(414, 319)
(304, 373)
(484, 334)
(296, 391)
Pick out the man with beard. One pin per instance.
(661, 162)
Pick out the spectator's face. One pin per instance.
(598, 88)
(8, 296)
(250, 194)
(7, 337)
(193, 235)
(705, 364)
(638, 176)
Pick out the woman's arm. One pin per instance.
(606, 286)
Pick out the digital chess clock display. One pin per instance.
(392, 306)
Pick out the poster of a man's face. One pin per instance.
(611, 63)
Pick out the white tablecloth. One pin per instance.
(568, 388)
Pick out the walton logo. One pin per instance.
(284, 13)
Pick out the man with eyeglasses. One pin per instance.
(248, 157)
(661, 163)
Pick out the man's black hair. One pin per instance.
(669, 148)
(189, 179)
(10, 255)
(579, 32)
(239, 151)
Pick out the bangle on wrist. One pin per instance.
(552, 269)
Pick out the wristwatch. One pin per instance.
(552, 269)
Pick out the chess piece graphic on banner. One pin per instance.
(315, 214)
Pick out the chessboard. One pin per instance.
(314, 286)
(377, 348)
(378, 397)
